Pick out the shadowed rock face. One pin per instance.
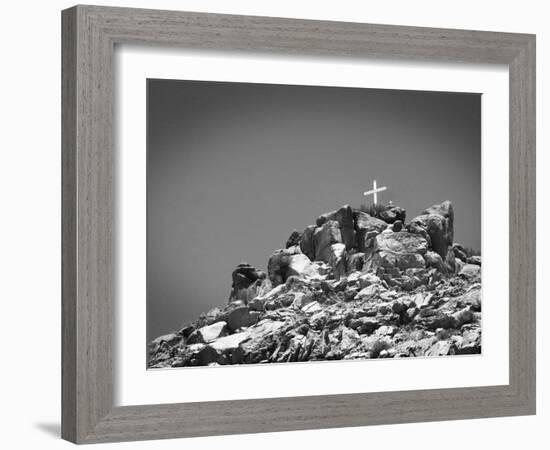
(351, 286)
(244, 278)
(437, 222)
(344, 217)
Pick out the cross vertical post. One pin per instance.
(374, 191)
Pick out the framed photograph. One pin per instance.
(277, 224)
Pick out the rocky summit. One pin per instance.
(354, 285)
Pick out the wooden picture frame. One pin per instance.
(90, 34)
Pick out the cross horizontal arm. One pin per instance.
(375, 190)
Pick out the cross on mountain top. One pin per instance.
(374, 191)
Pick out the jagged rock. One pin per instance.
(438, 223)
(277, 266)
(349, 340)
(460, 252)
(306, 243)
(364, 325)
(206, 355)
(240, 317)
(459, 265)
(470, 271)
(312, 307)
(243, 277)
(475, 260)
(463, 316)
(338, 260)
(422, 300)
(300, 266)
(367, 279)
(294, 239)
(450, 260)
(170, 339)
(372, 291)
(434, 260)
(366, 227)
(323, 238)
(402, 243)
(344, 217)
(401, 250)
(470, 342)
(397, 226)
(214, 331)
(392, 213)
(356, 262)
(440, 320)
(441, 348)
(256, 304)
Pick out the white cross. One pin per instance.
(374, 191)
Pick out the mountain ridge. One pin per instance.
(354, 285)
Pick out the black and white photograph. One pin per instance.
(291, 224)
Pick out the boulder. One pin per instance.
(434, 260)
(338, 260)
(295, 238)
(256, 304)
(471, 342)
(170, 339)
(364, 325)
(441, 348)
(214, 331)
(206, 355)
(356, 262)
(470, 271)
(300, 265)
(367, 279)
(344, 217)
(450, 260)
(459, 265)
(240, 317)
(438, 223)
(323, 238)
(474, 260)
(243, 277)
(366, 227)
(264, 287)
(392, 214)
(397, 226)
(277, 266)
(283, 264)
(370, 292)
(402, 243)
(306, 242)
(350, 340)
(230, 342)
(401, 250)
(460, 252)
(444, 209)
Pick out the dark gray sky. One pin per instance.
(233, 168)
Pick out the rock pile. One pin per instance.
(351, 286)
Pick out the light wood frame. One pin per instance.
(89, 37)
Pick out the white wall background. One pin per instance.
(31, 238)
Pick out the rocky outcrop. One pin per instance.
(352, 286)
(323, 238)
(436, 224)
(245, 282)
(294, 239)
(392, 214)
(344, 217)
(366, 228)
(397, 251)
